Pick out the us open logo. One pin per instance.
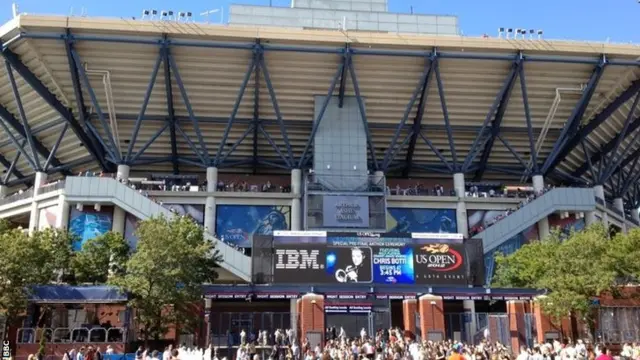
(439, 257)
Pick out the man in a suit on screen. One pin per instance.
(358, 271)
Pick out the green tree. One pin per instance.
(101, 257)
(574, 269)
(164, 275)
(28, 260)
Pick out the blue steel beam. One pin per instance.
(149, 142)
(343, 76)
(445, 115)
(255, 121)
(587, 155)
(236, 144)
(23, 115)
(16, 126)
(535, 169)
(569, 131)
(187, 104)
(19, 147)
(363, 113)
(145, 103)
(625, 127)
(323, 109)
(115, 149)
(58, 169)
(629, 180)
(416, 128)
(48, 97)
(501, 109)
(273, 144)
(437, 152)
(247, 76)
(51, 156)
(329, 50)
(12, 167)
(407, 111)
(594, 123)
(192, 146)
(168, 90)
(606, 148)
(276, 107)
(513, 151)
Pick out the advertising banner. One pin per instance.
(345, 211)
(369, 259)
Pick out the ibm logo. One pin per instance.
(298, 259)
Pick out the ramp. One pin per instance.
(96, 189)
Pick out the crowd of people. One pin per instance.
(528, 198)
(386, 344)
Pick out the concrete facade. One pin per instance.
(358, 15)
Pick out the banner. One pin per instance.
(236, 224)
(411, 220)
(345, 211)
(368, 259)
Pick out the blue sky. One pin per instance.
(594, 20)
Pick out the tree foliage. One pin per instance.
(26, 260)
(101, 257)
(164, 276)
(574, 269)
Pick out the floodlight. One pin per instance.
(145, 13)
(539, 34)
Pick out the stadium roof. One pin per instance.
(579, 99)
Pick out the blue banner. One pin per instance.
(237, 223)
(411, 220)
(89, 223)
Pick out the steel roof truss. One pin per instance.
(54, 150)
(114, 150)
(18, 146)
(436, 151)
(273, 144)
(237, 143)
(146, 145)
(587, 155)
(498, 108)
(276, 108)
(85, 135)
(145, 102)
(185, 98)
(343, 76)
(168, 90)
(236, 106)
(513, 152)
(12, 167)
(535, 169)
(256, 115)
(569, 131)
(445, 115)
(323, 109)
(192, 146)
(417, 128)
(23, 116)
(422, 84)
(611, 165)
(363, 112)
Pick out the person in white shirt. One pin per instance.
(524, 354)
(363, 334)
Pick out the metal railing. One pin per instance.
(17, 196)
(71, 335)
(323, 183)
(471, 327)
(51, 187)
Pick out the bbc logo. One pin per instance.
(6, 350)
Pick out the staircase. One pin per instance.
(556, 200)
(96, 189)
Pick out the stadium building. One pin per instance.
(357, 168)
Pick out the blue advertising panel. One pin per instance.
(369, 259)
(130, 228)
(411, 220)
(237, 223)
(88, 224)
(508, 247)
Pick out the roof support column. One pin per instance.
(296, 192)
(635, 215)
(461, 207)
(123, 173)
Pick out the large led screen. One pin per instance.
(412, 220)
(236, 224)
(374, 259)
(89, 223)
